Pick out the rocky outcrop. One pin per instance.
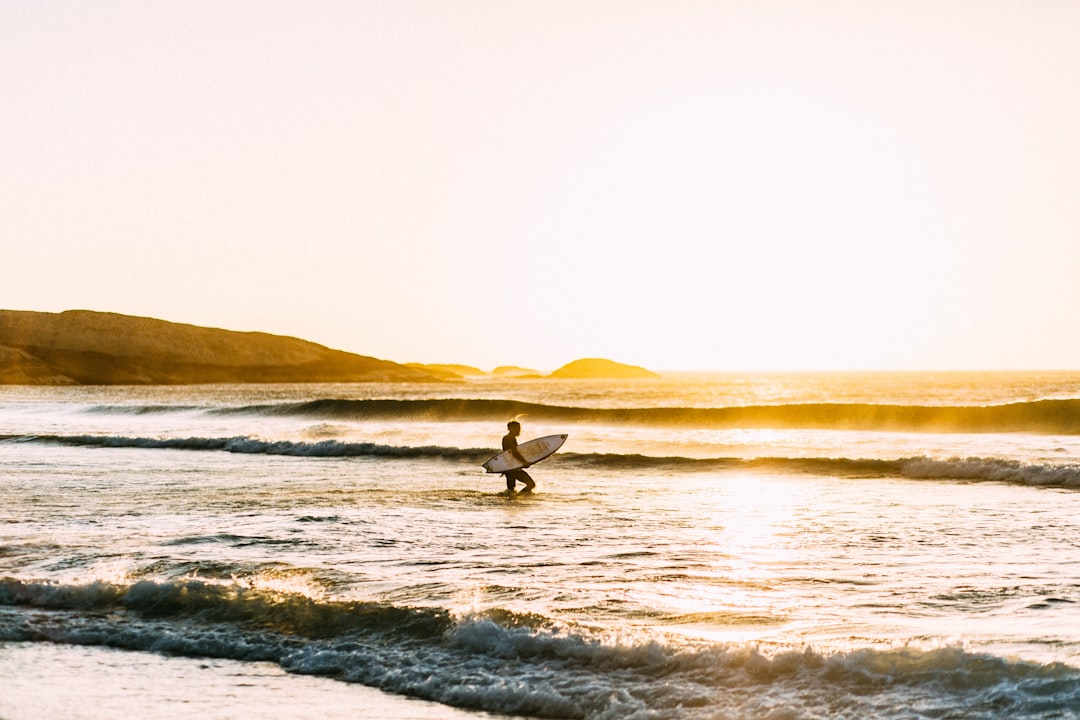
(513, 371)
(95, 348)
(599, 368)
(450, 372)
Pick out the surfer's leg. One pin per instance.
(511, 481)
(524, 477)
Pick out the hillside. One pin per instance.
(599, 368)
(449, 371)
(513, 371)
(81, 347)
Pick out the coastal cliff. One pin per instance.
(82, 347)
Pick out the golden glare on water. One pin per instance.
(669, 559)
(732, 594)
(299, 583)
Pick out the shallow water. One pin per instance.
(829, 564)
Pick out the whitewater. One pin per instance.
(830, 545)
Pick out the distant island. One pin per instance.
(584, 369)
(84, 347)
(448, 371)
(513, 371)
(81, 347)
(588, 368)
(599, 368)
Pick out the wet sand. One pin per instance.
(44, 681)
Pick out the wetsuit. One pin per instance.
(509, 442)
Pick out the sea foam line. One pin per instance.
(971, 469)
(523, 664)
(254, 446)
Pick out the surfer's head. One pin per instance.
(513, 426)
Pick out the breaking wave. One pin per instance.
(501, 661)
(255, 446)
(1040, 416)
(973, 469)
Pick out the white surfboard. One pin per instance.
(534, 451)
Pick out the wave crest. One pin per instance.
(1038, 416)
(972, 469)
(994, 470)
(254, 446)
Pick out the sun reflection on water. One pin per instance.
(746, 527)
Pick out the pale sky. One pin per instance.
(679, 185)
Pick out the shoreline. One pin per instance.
(79, 682)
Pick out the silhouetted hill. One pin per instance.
(599, 368)
(513, 371)
(449, 371)
(81, 347)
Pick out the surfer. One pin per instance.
(509, 442)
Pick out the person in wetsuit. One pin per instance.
(509, 442)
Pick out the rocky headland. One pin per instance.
(82, 347)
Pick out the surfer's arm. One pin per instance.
(510, 443)
(519, 457)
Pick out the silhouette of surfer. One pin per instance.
(513, 477)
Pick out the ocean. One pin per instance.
(741, 545)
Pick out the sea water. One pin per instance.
(704, 546)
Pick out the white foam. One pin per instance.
(480, 663)
(995, 470)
